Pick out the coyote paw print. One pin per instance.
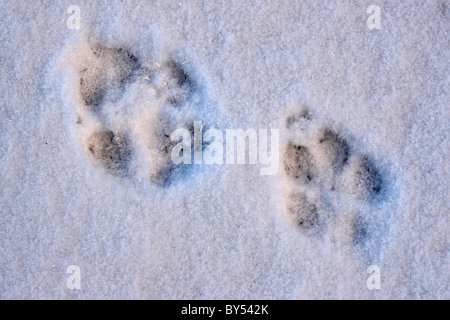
(326, 181)
(128, 109)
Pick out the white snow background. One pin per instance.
(221, 232)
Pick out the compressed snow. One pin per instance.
(86, 176)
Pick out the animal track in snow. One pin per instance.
(109, 150)
(326, 181)
(106, 69)
(127, 110)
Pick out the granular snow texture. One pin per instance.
(86, 178)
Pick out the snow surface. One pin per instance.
(221, 231)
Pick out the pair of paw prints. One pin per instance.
(324, 176)
(127, 111)
(128, 108)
